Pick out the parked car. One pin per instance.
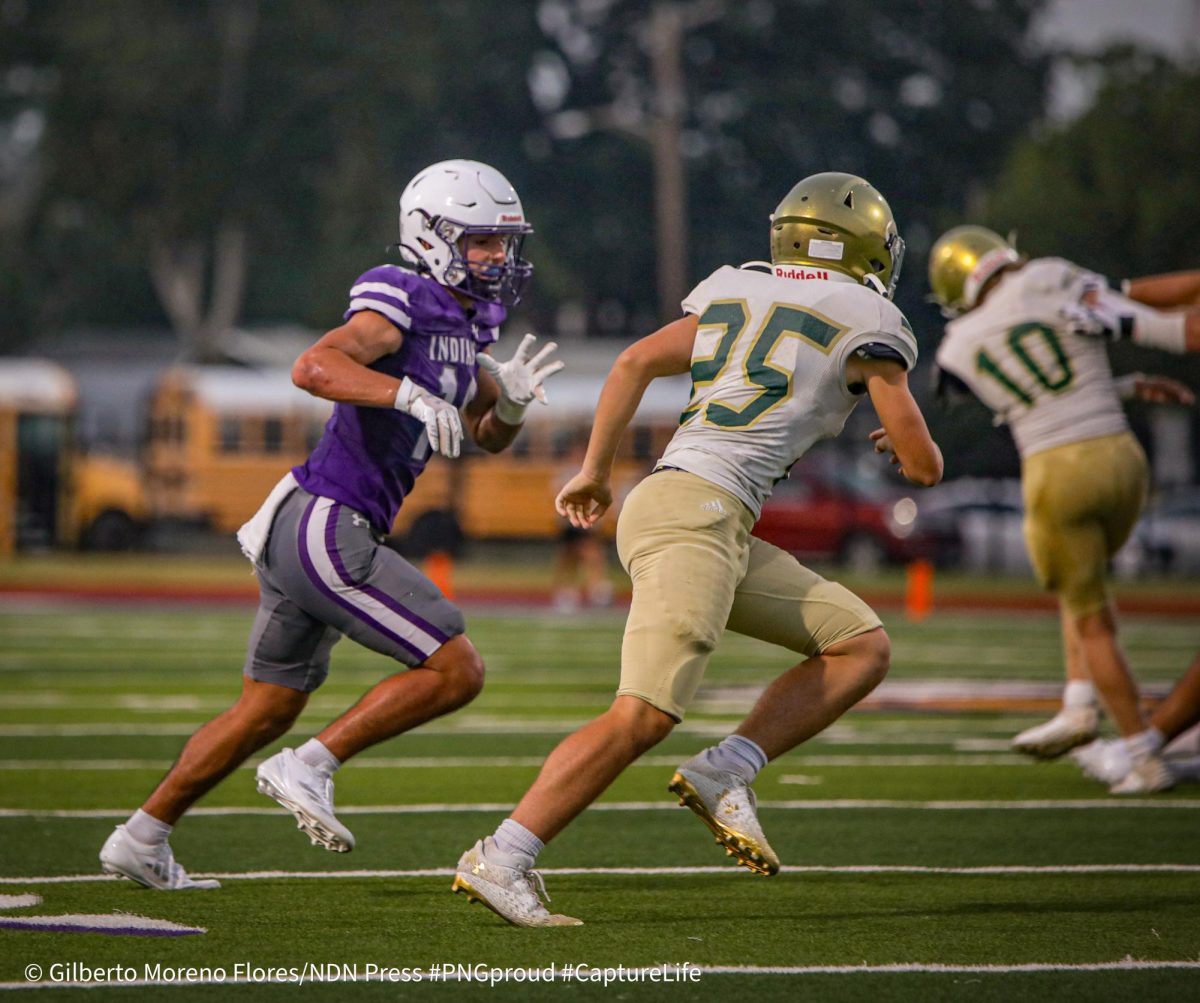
(837, 508)
(1167, 538)
(977, 523)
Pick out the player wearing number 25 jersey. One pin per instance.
(1028, 339)
(778, 357)
(768, 370)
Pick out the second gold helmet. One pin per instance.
(839, 222)
(961, 261)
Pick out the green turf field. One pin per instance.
(918, 853)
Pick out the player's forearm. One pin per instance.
(1166, 291)
(493, 435)
(333, 375)
(619, 400)
(1191, 331)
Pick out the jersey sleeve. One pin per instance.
(698, 299)
(385, 290)
(892, 339)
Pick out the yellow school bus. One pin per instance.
(51, 493)
(220, 437)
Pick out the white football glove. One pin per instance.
(440, 418)
(1096, 320)
(520, 378)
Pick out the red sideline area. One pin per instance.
(1156, 604)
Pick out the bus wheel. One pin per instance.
(112, 529)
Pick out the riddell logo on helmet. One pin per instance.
(792, 272)
(509, 217)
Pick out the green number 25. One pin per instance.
(774, 382)
(1056, 380)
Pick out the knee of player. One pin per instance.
(275, 720)
(644, 724)
(876, 655)
(696, 631)
(462, 672)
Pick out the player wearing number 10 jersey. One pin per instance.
(1028, 339)
(779, 355)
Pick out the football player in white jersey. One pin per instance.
(779, 353)
(1028, 338)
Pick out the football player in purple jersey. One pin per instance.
(408, 370)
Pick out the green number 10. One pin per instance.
(1055, 381)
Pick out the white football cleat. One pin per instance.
(150, 865)
(1149, 776)
(726, 804)
(306, 794)
(1106, 760)
(1070, 727)
(486, 875)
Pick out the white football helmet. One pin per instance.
(450, 199)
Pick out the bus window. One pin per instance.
(41, 439)
(230, 436)
(272, 435)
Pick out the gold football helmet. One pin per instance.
(838, 222)
(961, 261)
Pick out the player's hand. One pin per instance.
(1094, 318)
(884, 445)
(520, 378)
(1162, 390)
(441, 419)
(583, 500)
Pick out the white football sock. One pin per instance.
(737, 754)
(514, 839)
(147, 829)
(318, 757)
(1079, 693)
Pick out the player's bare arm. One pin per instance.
(335, 368)
(1154, 389)
(1166, 291)
(488, 431)
(667, 352)
(904, 433)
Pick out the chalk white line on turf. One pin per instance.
(901, 968)
(1083, 804)
(445, 872)
(496, 762)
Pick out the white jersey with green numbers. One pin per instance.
(769, 371)
(1020, 358)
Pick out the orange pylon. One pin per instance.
(918, 591)
(439, 568)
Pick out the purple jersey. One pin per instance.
(369, 457)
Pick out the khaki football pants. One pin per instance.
(1081, 503)
(696, 570)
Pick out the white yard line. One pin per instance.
(441, 872)
(485, 762)
(1081, 804)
